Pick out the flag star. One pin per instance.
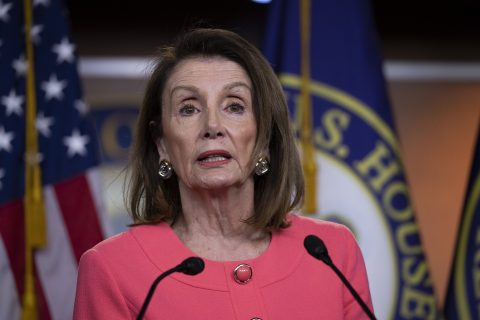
(35, 33)
(43, 124)
(20, 65)
(4, 8)
(45, 3)
(81, 106)
(64, 51)
(5, 140)
(2, 174)
(76, 143)
(13, 103)
(54, 88)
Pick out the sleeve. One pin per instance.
(98, 295)
(356, 272)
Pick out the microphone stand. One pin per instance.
(152, 290)
(317, 249)
(190, 266)
(354, 293)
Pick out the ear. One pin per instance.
(265, 153)
(161, 149)
(156, 135)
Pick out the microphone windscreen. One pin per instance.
(192, 266)
(316, 248)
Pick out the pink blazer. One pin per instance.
(287, 283)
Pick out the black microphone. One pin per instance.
(317, 249)
(190, 266)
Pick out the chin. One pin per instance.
(219, 181)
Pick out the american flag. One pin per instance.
(68, 159)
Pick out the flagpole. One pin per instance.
(306, 120)
(33, 201)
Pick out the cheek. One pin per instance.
(175, 137)
(248, 136)
(180, 146)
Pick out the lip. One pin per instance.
(215, 163)
(210, 153)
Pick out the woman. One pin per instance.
(214, 125)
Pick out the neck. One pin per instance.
(212, 223)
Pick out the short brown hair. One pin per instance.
(276, 193)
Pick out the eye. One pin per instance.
(188, 110)
(236, 108)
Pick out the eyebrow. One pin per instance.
(227, 87)
(238, 84)
(187, 88)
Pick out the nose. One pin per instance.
(213, 126)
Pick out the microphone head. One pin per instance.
(192, 266)
(316, 248)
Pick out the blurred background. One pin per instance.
(431, 52)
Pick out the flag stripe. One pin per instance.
(43, 309)
(12, 231)
(95, 183)
(79, 214)
(51, 274)
(9, 301)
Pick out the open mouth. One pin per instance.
(214, 156)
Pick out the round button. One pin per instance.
(242, 273)
(256, 318)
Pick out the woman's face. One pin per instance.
(208, 123)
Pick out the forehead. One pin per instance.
(206, 71)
